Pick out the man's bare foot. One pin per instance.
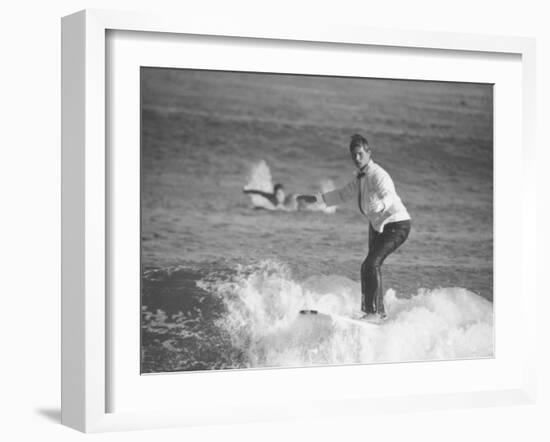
(376, 318)
(370, 317)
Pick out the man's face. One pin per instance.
(360, 156)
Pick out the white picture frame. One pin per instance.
(86, 206)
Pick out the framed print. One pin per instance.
(230, 280)
(275, 222)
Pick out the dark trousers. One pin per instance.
(380, 246)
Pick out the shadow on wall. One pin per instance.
(51, 414)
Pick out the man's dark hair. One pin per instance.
(358, 141)
(277, 187)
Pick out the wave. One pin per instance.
(262, 319)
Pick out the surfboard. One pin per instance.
(317, 316)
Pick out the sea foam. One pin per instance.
(259, 178)
(262, 317)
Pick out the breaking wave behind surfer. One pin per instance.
(266, 195)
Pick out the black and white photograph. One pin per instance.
(302, 220)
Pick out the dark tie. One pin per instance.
(360, 175)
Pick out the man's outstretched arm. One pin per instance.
(332, 198)
(341, 195)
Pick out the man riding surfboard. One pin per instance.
(389, 221)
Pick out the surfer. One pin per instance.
(379, 204)
(277, 198)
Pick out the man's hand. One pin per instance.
(309, 199)
(375, 205)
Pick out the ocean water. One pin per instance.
(223, 281)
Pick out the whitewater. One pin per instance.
(259, 325)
